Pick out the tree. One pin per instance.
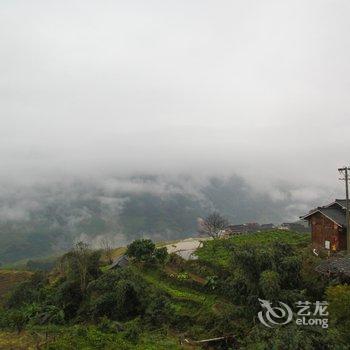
(118, 294)
(144, 250)
(141, 250)
(81, 252)
(213, 225)
(107, 247)
(161, 254)
(81, 264)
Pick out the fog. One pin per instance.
(98, 89)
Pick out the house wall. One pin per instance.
(324, 229)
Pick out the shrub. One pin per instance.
(141, 250)
(119, 295)
(269, 285)
(158, 311)
(339, 310)
(289, 270)
(144, 250)
(161, 255)
(27, 292)
(68, 297)
(17, 319)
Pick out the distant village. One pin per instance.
(252, 227)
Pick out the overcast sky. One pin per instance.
(260, 88)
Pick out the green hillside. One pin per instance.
(164, 302)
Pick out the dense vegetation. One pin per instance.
(160, 301)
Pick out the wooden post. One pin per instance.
(347, 210)
(345, 171)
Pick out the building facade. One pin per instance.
(328, 226)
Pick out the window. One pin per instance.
(327, 244)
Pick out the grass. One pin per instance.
(11, 340)
(290, 237)
(117, 252)
(219, 251)
(184, 300)
(88, 339)
(22, 264)
(177, 292)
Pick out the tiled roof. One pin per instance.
(341, 202)
(335, 266)
(119, 262)
(338, 215)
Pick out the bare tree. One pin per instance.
(81, 264)
(81, 253)
(107, 247)
(213, 225)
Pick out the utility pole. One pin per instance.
(345, 172)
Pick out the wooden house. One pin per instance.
(328, 226)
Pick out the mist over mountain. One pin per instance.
(97, 91)
(38, 220)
